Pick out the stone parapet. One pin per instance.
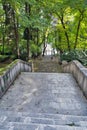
(9, 74)
(79, 72)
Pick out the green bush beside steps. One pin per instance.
(80, 55)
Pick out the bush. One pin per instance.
(23, 56)
(7, 50)
(13, 57)
(35, 51)
(80, 55)
(68, 56)
(3, 58)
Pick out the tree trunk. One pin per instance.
(64, 27)
(3, 38)
(44, 49)
(28, 50)
(66, 35)
(28, 12)
(37, 36)
(16, 34)
(78, 28)
(3, 44)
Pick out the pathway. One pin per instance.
(47, 64)
(43, 101)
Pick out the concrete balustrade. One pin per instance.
(79, 72)
(9, 74)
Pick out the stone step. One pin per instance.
(64, 111)
(31, 126)
(42, 118)
(44, 121)
(41, 115)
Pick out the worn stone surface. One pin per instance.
(45, 93)
(43, 101)
(47, 64)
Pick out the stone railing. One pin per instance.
(8, 74)
(79, 72)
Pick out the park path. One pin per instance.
(44, 101)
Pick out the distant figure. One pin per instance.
(51, 57)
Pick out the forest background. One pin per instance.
(27, 26)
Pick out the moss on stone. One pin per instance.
(3, 70)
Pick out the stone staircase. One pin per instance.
(27, 121)
(47, 64)
(43, 101)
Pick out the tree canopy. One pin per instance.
(27, 25)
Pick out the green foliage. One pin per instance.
(35, 50)
(13, 57)
(80, 55)
(3, 58)
(7, 50)
(23, 50)
(67, 32)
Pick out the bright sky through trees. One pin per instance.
(60, 22)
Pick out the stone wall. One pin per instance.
(11, 72)
(79, 72)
